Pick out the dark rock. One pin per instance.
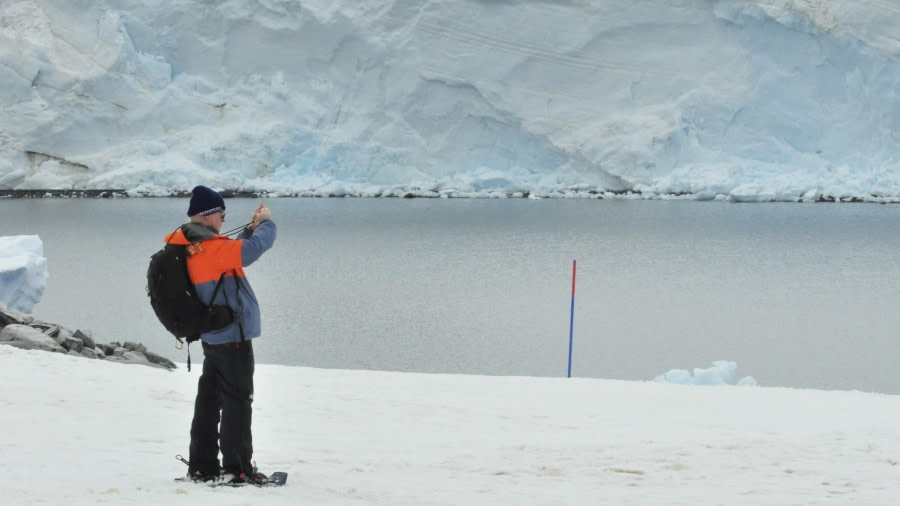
(18, 344)
(107, 349)
(31, 337)
(73, 344)
(60, 334)
(135, 357)
(92, 353)
(138, 347)
(11, 316)
(85, 338)
(23, 331)
(159, 360)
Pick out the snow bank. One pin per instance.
(743, 100)
(92, 432)
(23, 271)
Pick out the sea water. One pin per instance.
(798, 295)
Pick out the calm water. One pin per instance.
(798, 295)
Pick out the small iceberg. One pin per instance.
(722, 372)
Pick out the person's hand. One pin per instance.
(261, 214)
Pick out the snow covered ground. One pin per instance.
(746, 100)
(80, 431)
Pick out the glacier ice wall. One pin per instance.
(753, 99)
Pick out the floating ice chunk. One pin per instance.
(722, 372)
(23, 271)
(747, 381)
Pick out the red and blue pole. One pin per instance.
(572, 319)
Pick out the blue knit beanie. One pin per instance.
(205, 201)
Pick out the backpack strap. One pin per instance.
(194, 248)
(216, 291)
(172, 234)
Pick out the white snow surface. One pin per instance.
(745, 100)
(81, 431)
(23, 271)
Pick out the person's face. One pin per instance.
(215, 220)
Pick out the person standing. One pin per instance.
(222, 410)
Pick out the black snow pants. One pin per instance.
(222, 411)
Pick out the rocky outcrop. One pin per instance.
(24, 331)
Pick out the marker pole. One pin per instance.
(572, 320)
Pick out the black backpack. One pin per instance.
(175, 301)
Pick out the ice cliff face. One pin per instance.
(754, 99)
